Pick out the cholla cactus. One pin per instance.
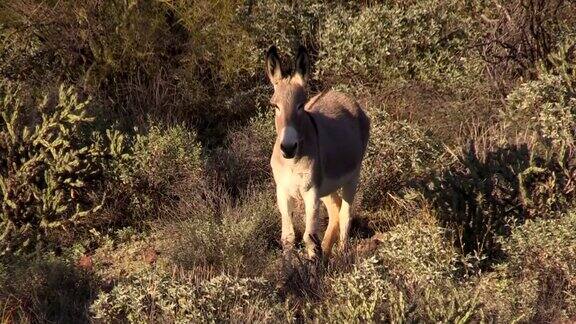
(44, 168)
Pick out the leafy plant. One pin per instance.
(398, 155)
(536, 283)
(157, 296)
(399, 41)
(409, 278)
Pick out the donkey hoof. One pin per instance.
(313, 247)
(343, 248)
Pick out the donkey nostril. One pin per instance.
(288, 147)
(288, 150)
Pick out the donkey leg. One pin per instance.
(311, 204)
(333, 203)
(348, 193)
(286, 206)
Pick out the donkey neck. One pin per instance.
(308, 139)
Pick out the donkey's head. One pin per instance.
(288, 100)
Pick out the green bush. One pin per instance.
(410, 279)
(546, 107)
(358, 296)
(165, 156)
(417, 252)
(164, 167)
(398, 154)
(49, 173)
(153, 296)
(397, 41)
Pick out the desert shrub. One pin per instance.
(522, 168)
(134, 45)
(537, 282)
(287, 25)
(164, 168)
(99, 39)
(215, 26)
(521, 33)
(156, 296)
(170, 59)
(244, 160)
(236, 238)
(428, 267)
(410, 278)
(489, 188)
(357, 296)
(425, 40)
(50, 175)
(166, 155)
(45, 289)
(398, 154)
(417, 252)
(546, 106)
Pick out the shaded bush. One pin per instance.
(489, 189)
(44, 289)
(245, 159)
(519, 34)
(170, 59)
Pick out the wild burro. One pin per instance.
(319, 149)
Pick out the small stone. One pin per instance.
(150, 255)
(85, 262)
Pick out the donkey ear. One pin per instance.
(273, 69)
(302, 66)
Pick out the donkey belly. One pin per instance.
(330, 185)
(341, 160)
(341, 146)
